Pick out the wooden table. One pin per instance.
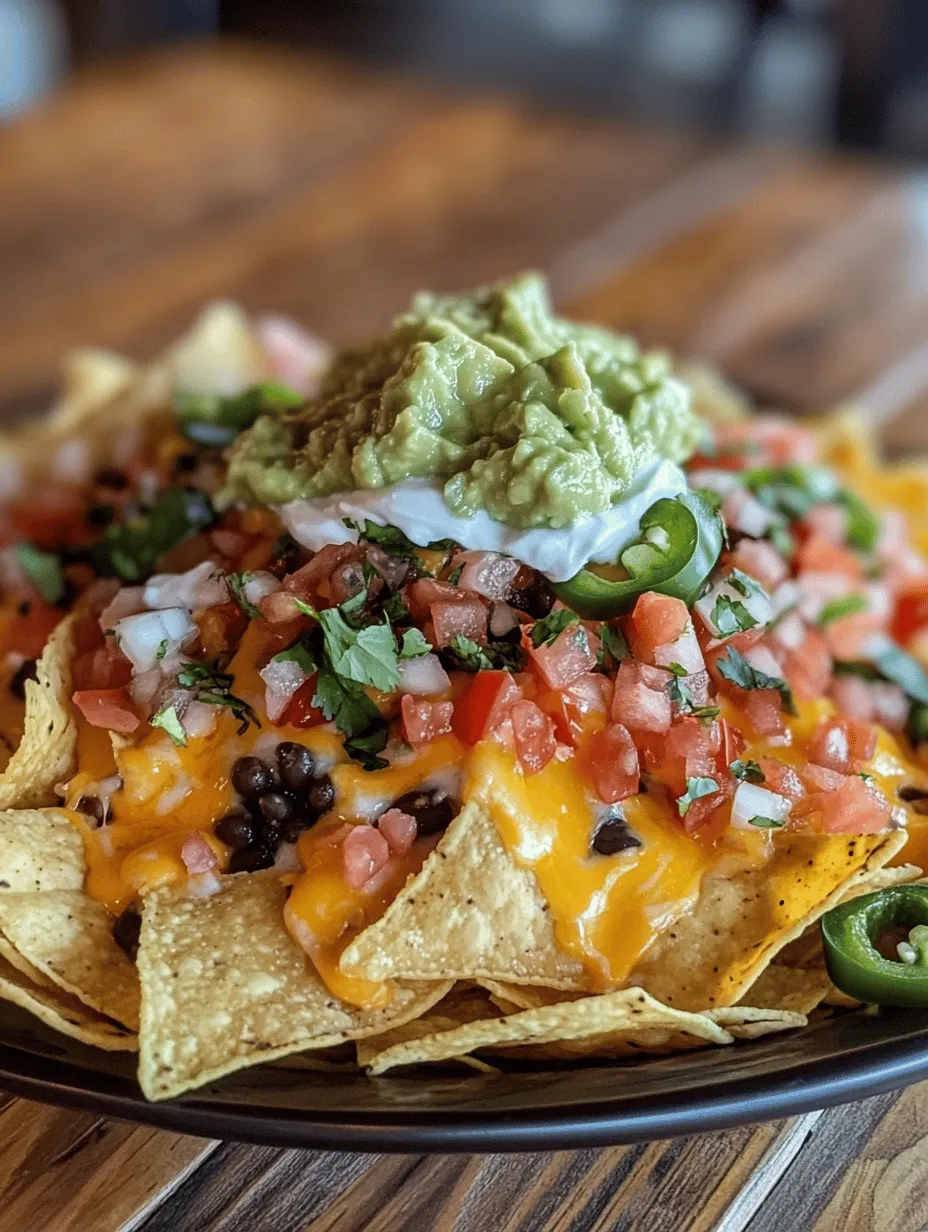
(296, 185)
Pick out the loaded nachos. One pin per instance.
(492, 691)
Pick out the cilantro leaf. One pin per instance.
(129, 550)
(167, 719)
(861, 523)
(469, 655)
(344, 702)
(414, 645)
(300, 653)
(747, 771)
(367, 656)
(214, 688)
(364, 748)
(237, 583)
(731, 616)
(735, 667)
(680, 694)
(43, 570)
(900, 668)
(216, 420)
(495, 656)
(614, 643)
(676, 669)
(394, 608)
(548, 628)
(696, 788)
(845, 606)
(765, 823)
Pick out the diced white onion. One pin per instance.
(423, 677)
(746, 514)
(202, 586)
(282, 678)
(287, 860)
(890, 703)
(787, 595)
(818, 588)
(751, 801)
(685, 651)
(715, 480)
(71, 461)
(487, 573)
(756, 603)
(295, 357)
(142, 637)
(259, 586)
(763, 659)
(199, 719)
(202, 885)
(790, 632)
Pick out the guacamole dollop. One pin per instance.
(538, 420)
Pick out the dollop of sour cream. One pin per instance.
(418, 508)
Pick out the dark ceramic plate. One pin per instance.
(289, 1104)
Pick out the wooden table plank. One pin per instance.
(63, 1171)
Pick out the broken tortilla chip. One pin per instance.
(746, 1022)
(471, 913)
(712, 955)
(795, 989)
(63, 1013)
(224, 987)
(39, 850)
(610, 1025)
(462, 1005)
(49, 745)
(68, 939)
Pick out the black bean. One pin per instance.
(915, 797)
(100, 515)
(433, 811)
(537, 598)
(297, 765)
(613, 835)
(110, 477)
(251, 778)
(291, 829)
(126, 932)
(186, 462)
(25, 671)
(250, 859)
(321, 795)
(93, 807)
(276, 807)
(236, 830)
(25, 607)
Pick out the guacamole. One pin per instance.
(538, 420)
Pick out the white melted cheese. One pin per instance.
(418, 508)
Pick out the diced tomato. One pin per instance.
(861, 740)
(484, 705)
(858, 808)
(305, 582)
(197, 854)
(424, 720)
(820, 555)
(300, 711)
(657, 620)
(808, 669)
(762, 707)
(911, 612)
(817, 778)
(399, 829)
(221, 628)
(781, 778)
(610, 760)
(51, 516)
(582, 705)
(110, 708)
(760, 559)
(692, 741)
(279, 608)
(567, 658)
(640, 701)
(422, 593)
(29, 627)
(853, 698)
(364, 852)
(830, 746)
(534, 736)
(467, 618)
(848, 636)
(732, 743)
(829, 521)
(106, 667)
(705, 814)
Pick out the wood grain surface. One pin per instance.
(302, 186)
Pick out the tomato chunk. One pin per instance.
(467, 618)
(636, 702)
(300, 711)
(610, 759)
(534, 736)
(424, 720)
(567, 658)
(110, 708)
(658, 619)
(820, 555)
(484, 705)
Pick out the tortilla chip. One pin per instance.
(610, 1025)
(48, 749)
(512, 997)
(712, 955)
(796, 989)
(751, 1022)
(39, 850)
(225, 987)
(462, 1005)
(63, 1013)
(68, 939)
(471, 913)
(90, 378)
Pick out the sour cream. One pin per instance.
(418, 508)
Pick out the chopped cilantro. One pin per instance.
(43, 570)
(743, 583)
(696, 788)
(747, 771)
(394, 608)
(344, 702)
(214, 688)
(167, 719)
(614, 643)
(364, 748)
(549, 627)
(900, 668)
(845, 606)
(470, 656)
(735, 667)
(861, 523)
(162, 649)
(680, 694)
(129, 550)
(494, 656)
(354, 607)
(216, 420)
(237, 583)
(366, 656)
(731, 616)
(765, 823)
(300, 653)
(677, 669)
(414, 645)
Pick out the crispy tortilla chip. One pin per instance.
(49, 745)
(471, 913)
(462, 1005)
(610, 1025)
(796, 989)
(90, 379)
(512, 997)
(68, 939)
(63, 1013)
(39, 850)
(746, 1022)
(225, 987)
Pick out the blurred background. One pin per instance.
(818, 72)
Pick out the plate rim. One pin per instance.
(878, 1067)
